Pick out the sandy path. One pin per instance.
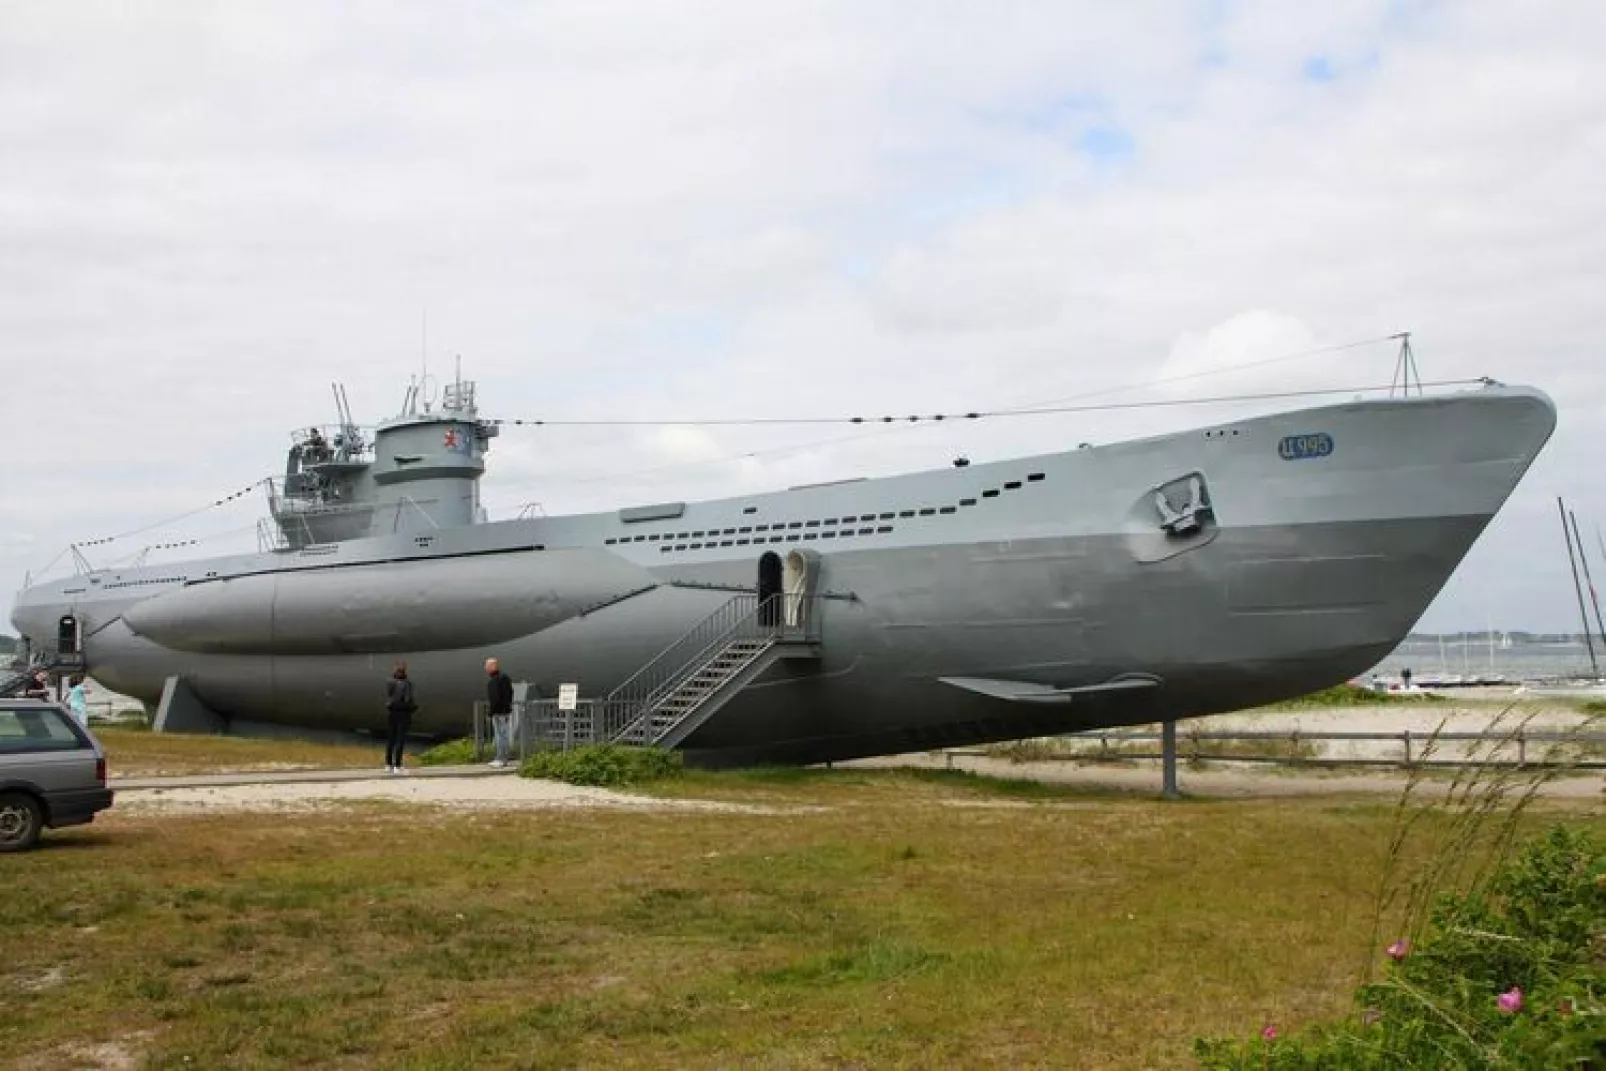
(460, 793)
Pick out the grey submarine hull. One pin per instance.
(1309, 544)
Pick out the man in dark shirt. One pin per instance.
(499, 701)
(38, 686)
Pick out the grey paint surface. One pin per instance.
(1325, 535)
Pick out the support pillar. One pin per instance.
(1168, 746)
(180, 710)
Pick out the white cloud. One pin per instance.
(726, 209)
(1251, 341)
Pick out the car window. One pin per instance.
(38, 729)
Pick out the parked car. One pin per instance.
(52, 772)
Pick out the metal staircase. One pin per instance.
(14, 678)
(14, 681)
(676, 693)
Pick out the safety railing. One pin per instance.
(743, 617)
(537, 724)
(540, 723)
(671, 664)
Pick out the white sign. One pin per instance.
(568, 696)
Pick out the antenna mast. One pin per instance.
(1405, 368)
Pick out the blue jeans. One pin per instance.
(502, 729)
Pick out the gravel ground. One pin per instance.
(473, 793)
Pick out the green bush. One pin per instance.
(604, 764)
(451, 753)
(1510, 974)
(1352, 695)
(1595, 706)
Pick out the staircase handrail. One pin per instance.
(742, 629)
(634, 700)
(646, 679)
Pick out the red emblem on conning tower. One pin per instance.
(451, 438)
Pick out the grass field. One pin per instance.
(861, 918)
(138, 753)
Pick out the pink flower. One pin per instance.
(1399, 950)
(1511, 1000)
(1269, 1032)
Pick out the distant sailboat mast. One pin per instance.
(1584, 558)
(1589, 640)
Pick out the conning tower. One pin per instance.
(419, 471)
(427, 464)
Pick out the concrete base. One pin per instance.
(180, 710)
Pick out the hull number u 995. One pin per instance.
(1300, 447)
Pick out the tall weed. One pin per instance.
(1484, 952)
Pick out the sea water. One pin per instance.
(1473, 657)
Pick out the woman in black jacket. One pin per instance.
(400, 704)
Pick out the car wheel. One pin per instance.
(20, 821)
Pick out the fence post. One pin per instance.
(1522, 749)
(1168, 737)
(1407, 747)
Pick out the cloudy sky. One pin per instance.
(208, 213)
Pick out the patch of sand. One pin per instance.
(1219, 780)
(121, 1055)
(460, 793)
(48, 979)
